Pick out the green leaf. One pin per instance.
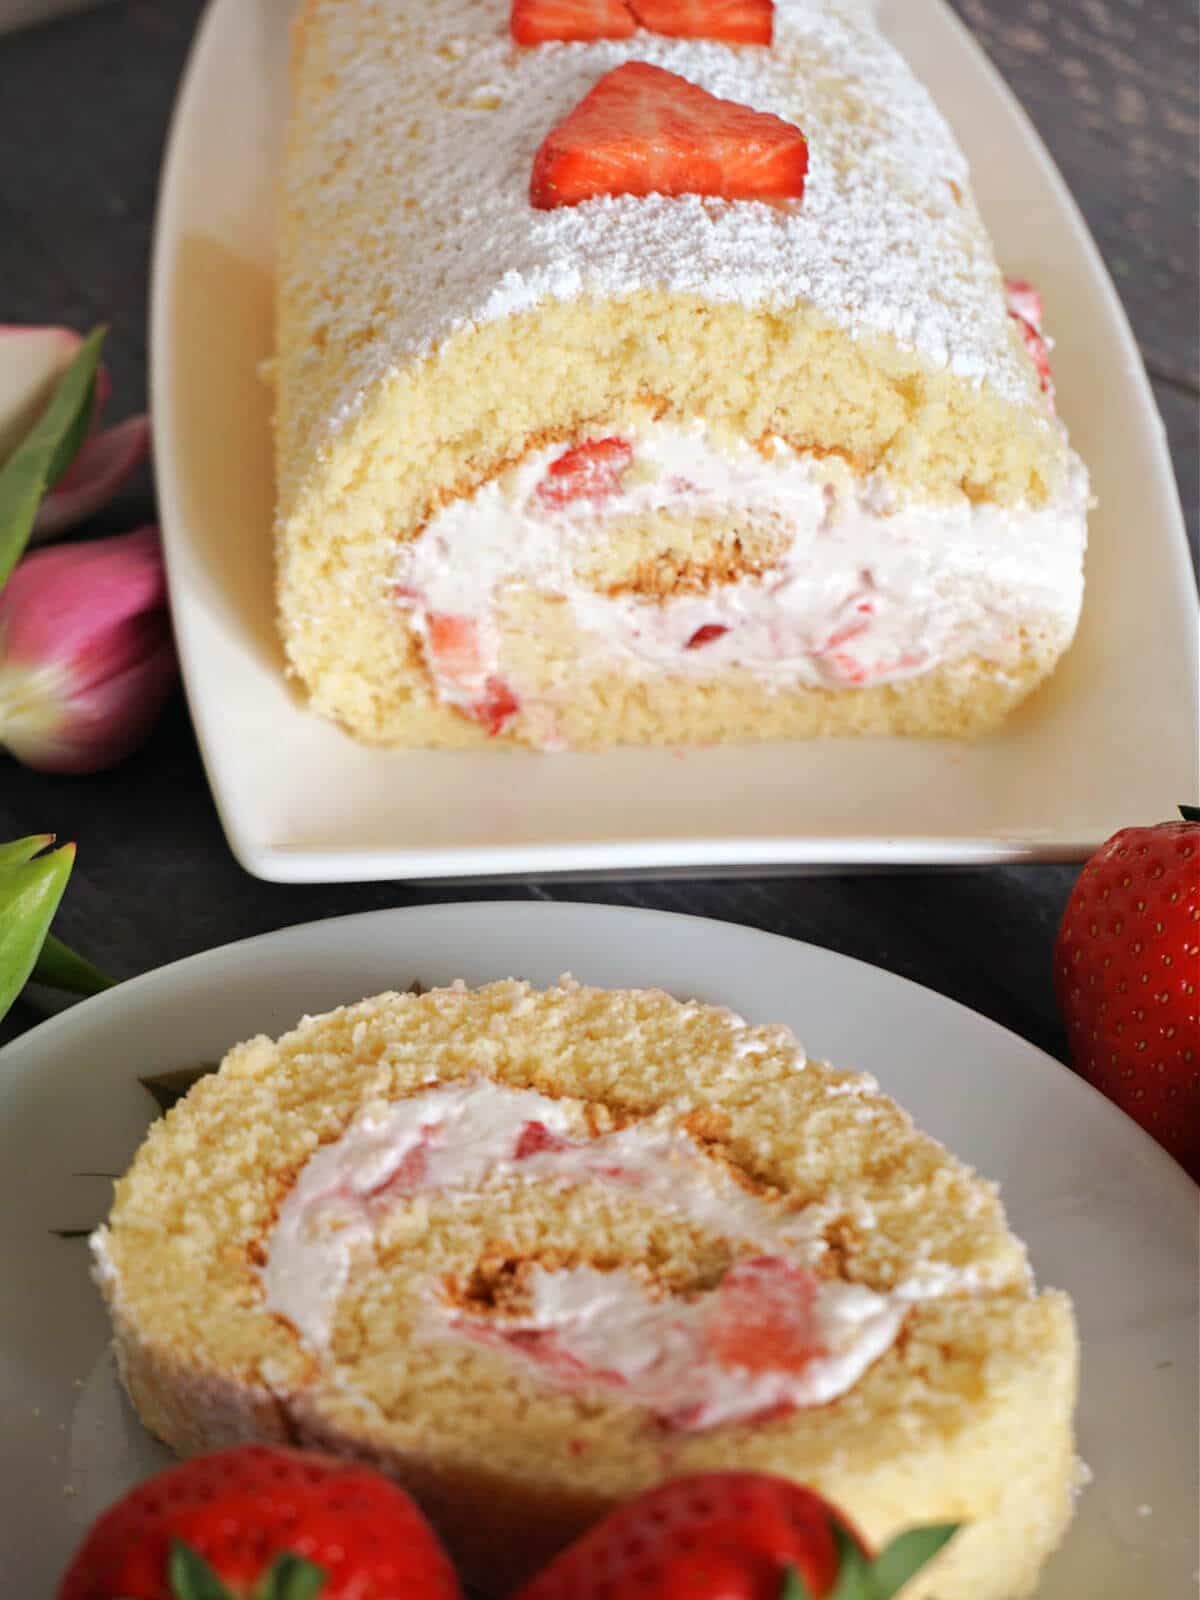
(46, 451)
(906, 1555)
(191, 1577)
(853, 1571)
(168, 1087)
(1190, 813)
(12, 855)
(291, 1577)
(29, 896)
(60, 968)
(794, 1586)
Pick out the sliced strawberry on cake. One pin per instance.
(642, 130)
(538, 21)
(734, 21)
(1025, 308)
(535, 22)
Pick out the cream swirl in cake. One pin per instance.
(673, 553)
(847, 506)
(533, 1250)
(771, 1335)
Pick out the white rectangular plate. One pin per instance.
(1110, 740)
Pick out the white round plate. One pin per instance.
(1106, 1214)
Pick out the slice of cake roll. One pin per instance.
(651, 388)
(533, 1251)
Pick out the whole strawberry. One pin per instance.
(731, 1536)
(272, 1523)
(1127, 973)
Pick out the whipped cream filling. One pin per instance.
(771, 1337)
(771, 1334)
(867, 586)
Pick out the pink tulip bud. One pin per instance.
(86, 656)
(31, 362)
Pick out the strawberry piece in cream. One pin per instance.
(457, 657)
(706, 634)
(536, 1137)
(591, 471)
(497, 706)
(1025, 308)
(453, 643)
(765, 1316)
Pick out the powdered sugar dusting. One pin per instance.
(430, 118)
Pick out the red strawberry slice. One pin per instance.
(763, 1318)
(411, 1175)
(456, 654)
(645, 131)
(453, 644)
(705, 635)
(1024, 300)
(734, 21)
(536, 21)
(496, 707)
(1040, 356)
(1025, 308)
(536, 1137)
(590, 471)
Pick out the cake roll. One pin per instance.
(651, 388)
(531, 1252)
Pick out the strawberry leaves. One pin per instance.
(860, 1578)
(794, 1586)
(191, 1577)
(289, 1577)
(292, 1578)
(908, 1552)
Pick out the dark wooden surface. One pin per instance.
(1111, 85)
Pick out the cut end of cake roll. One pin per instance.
(532, 1251)
(651, 467)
